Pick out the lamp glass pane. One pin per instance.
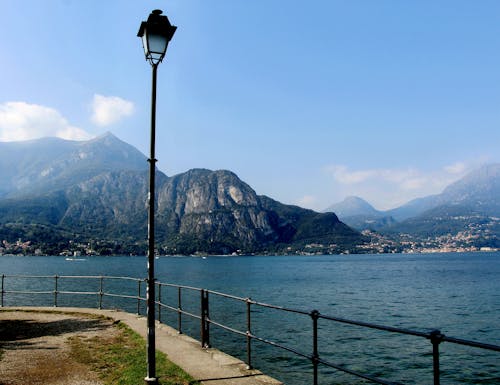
(145, 44)
(157, 45)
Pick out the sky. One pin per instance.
(306, 101)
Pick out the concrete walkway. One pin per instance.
(209, 366)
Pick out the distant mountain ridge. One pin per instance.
(352, 206)
(96, 191)
(359, 214)
(61, 194)
(464, 203)
(50, 163)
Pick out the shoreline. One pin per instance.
(201, 256)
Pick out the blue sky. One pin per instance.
(307, 101)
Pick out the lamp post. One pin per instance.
(156, 33)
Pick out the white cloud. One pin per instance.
(456, 168)
(343, 175)
(414, 183)
(24, 121)
(306, 201)
(107, 110)
(388, 188)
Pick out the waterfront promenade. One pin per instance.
(209, 366)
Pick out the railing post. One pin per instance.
(315, 355)
(205, 327)
(179, 310)
(101, 293)
(436, 338)
(159, 301)
(3, 278)
(139, 297)
(55, 290)
(249, 333)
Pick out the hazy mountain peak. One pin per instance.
(107, 137)
(351, 206)
(48, 163)
(479, 189)
(483, 180)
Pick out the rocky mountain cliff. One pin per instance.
(96, 191)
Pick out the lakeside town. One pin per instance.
(471, 240)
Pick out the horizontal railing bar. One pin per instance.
(27, 292)
(355, 373)
(78, 292)
(188, 314)
(181, 286)
(74, 292)
(105, 277)
(227, 295)
(375, 326)
(297, 311)
(80, 276)
(164, 305)
(28, 276)
(176, 309)
(122, 296)
(473, 344)
(73, 276)
(124, 278)
(228, 328)
(275, 344)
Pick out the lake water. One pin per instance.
(457, 293)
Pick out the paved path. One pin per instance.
(209, 366)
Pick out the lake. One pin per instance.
(457, 293)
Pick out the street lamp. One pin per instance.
(156, 32)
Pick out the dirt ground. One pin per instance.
(34, 349)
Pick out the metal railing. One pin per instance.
(435, 337)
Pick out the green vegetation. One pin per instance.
(119, 359)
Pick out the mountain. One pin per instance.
(359, 214)
(467, 210)
(415, 207)
(471, 203)
(450, 219)
(95, 192)
(48, 164)
(352, 206)
(479, 189)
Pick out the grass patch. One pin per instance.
(120, 359)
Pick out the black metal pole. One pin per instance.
(55, 290)
(101, 291)
(3, 278)
(179, 311)
(138, 297)
(436, 338)
(150, 293)
(159, 302)
(249, 333)
(315, 355)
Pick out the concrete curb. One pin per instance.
(209, 366)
